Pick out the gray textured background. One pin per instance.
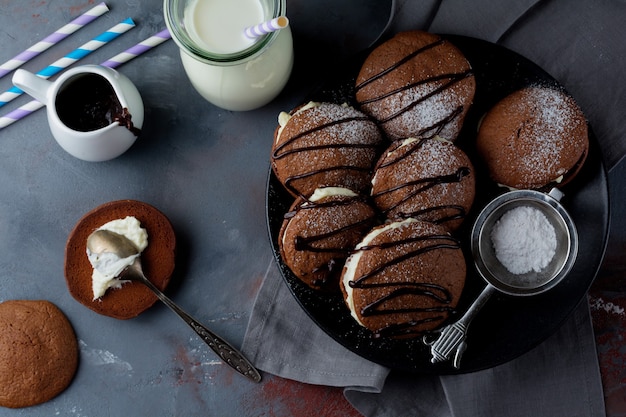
(204, 167)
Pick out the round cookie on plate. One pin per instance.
(404, 279)
(416, 85)
(324, 145)
(319, 233)
(123, 300)
(38, 352)
(427, 179)
(535, 138)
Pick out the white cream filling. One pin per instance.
(284, 117)
(557, 181)
(353, 261)
(323, 192)
(107, 266)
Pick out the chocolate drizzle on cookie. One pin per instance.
(399, 63)
(440, 213)
(308, 243)
(440, 296)
(425, 184)
(323, 232)
(291, 147)
(280, 151)
(327, 272)
(440, 82)
(314, 243)
(450, 79)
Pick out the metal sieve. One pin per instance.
(451, 339)
(531, 283)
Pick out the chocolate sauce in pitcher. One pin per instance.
(88, 102)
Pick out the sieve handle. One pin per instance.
(451, 339)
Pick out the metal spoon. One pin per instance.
(105, 241)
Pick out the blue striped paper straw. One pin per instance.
(72, 57)
(60, 34)
(114, 62)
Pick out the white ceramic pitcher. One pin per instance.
(89, 144)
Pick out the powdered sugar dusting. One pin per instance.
(351, 131)
(99, 357)
(524, 240)
(608, 307)
(551, 114)
(430, 179)
(327, 145)
(416, 84)
(431, 108)
(545, 134)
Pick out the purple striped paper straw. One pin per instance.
(114, 62)
(60, 34)
(138, 49)
(264, 28)
(73, 56)
(20, 113)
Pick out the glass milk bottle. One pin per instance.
(229, 69)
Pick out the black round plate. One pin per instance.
(507, 326)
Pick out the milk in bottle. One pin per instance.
(226, 67)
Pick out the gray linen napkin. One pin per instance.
(282, 340)
(581, 44)
(560, 377)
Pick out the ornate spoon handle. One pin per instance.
(228, 353)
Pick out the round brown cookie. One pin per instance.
(416, 85)
(325, 145)
(319, 233)
(427, 179)
(38, 352)
(534, 138)
(405, 278)
(157, 260)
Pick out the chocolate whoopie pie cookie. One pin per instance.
(404, 278)
(157, 260)
(535, 138)
(38, 352)
(416, 85)
(325, 145)
(427, 179)
(319, 233)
